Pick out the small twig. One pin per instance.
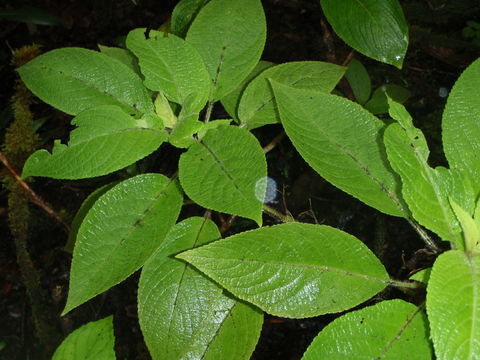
(425, 237)
(348, 58)
(328, 41)
(208, 112)
(272, 144)
(34, 197)
(276, 214)
(226, 225)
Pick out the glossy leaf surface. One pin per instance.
(293, 270)
(75, 79)
(340, 140)
(257, 106)
(230, 36)
(453, 306)
(93, 341)
(183, 313)
(392, 330)
(120, 232)
(375, 28)
(107, 139)
(222, 172)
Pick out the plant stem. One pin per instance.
(425, 237)
(276, 214)
(208, 113)
(406, 284)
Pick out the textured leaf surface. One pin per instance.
(257, 106)
(93, 341)
(183, 313)
(422, 275)
(453, 306)
(183, 14)
(375, 28)
(359, 81)
(340, 140)
(230, 36)
(107, 139)
(293, 270)
(222, 172)
(75, 79)
(392, 329)
(121, 231)
(461, 124)
(125, 56)
(171, 65)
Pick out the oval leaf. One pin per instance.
(93, 341)
(453, 306)
(230, 36)
(359, 81)
(223, 172)
(257, 106)
(293, 270)
(181, 312)
(75, 79)
(121, 231)
(172, 66)
(340, 140)
(375, 28)
(391, 330)
(461, 124)
(107, 139)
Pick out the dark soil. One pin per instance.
(437, 55)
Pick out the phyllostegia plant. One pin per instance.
(201, 296)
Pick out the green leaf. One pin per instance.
(125, 56)
(170, 65)
(107, 139)
(257, 106)
(375, 28)
(181, 312)
(164, 111)
(378, 102)
(222, 172)
(422, 275)
(461, 125)
(359, 81)
(453, 306)
(183, 14)
(75, 79)
(31, 15)
(340, 140)
(231, 101)
(93, 341)
(120, 232)
(392, 329)
(230, 36)
(293, 270)
(471, 231)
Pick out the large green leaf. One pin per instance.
(182, 312)
(340, 140)
(171, 65)
(461, 124)
(107, 139)
(453, 306)
(230, 36)
(257, 106)
(93, 341)
(125, 56)
(375, 28)
(75, 79)
(392, 330)
(293, 270)
(121, 231)
(183, 14)
(425, 190)
(225, 171)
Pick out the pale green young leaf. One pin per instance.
(375, 28)
(293, 270)
(183, 14)
(230, 36)
(359, 81)
(125, 56)
(231, 101)
(422, 275)
(107, 139)
(223, 171)
(476, 214)
(171, 65)
(164, 111)
(75, 79)
(93, 341)
(471, 231)
(182, 312)
(389, 330)
(453, 306)
(257, 106)
(120, 232)
(378, 103)
(461, 125)
(340, 140)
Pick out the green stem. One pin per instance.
(208, 113)
(276, 214)
(425, 237)
(406, 284)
